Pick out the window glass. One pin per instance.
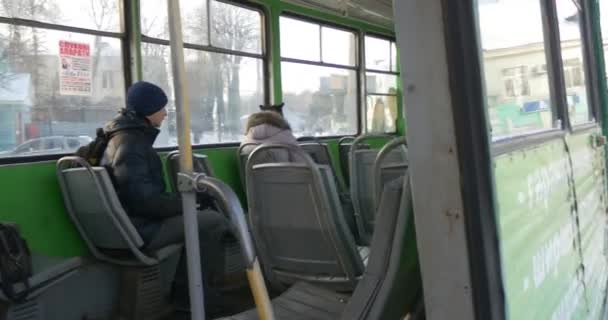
(338, 46)
(236, 28)
(381, 83)
(28, 147)
(101, 15)
(300, 39)
(377, 54)
(73, 143)
(320, 101)
(51, 84)
(223, 90)
(155, 22)
(381, 113)
(381, 88)
(516, 79)
(603, 4)
(54, 143)
(572, 58)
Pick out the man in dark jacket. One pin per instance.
(137, 172)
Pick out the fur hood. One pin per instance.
(266, 117)
(268, 127)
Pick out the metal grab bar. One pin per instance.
(231, 206)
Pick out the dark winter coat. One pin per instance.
(137, 172)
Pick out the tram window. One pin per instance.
(300, 39)
(223, 88)
(155, 23)
(319, 78)
(102, 15)
(514, 58)
(236, 28)
(317, 99)
(338, 46)
(568, 15)
(51, 84)
(377, 54)
(381, 85)
(603, 5)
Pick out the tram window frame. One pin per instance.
(121, 36)
(590, 85)
(396, 72)
(557, 83)
(263, 56)
(552, 62)
(358, 67)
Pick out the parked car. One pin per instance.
(52, 144)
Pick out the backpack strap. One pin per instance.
(15, 263)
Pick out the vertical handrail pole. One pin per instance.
(182, 110)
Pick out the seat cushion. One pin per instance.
(303, 302)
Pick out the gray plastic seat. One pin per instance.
(344, 145)
(242, 154)
(233, 261)
(297, 219)
(391, 163)
(95, 210)
(361, 183)
(375, 290)
(94, 207)
(45, 275)
(319, 152)
(200, 163)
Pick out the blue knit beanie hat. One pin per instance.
(145, 98)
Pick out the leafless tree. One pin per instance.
(231, 28)
(102, 13)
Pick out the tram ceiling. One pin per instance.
(376, 11)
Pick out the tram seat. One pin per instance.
(344, 145)
(361, 185)
(298, 222)
(46, 275)
(200, 163)
(94, 207)
(233, 260)
(304, 301)
(319, 152)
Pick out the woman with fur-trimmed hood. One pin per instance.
(268, 127)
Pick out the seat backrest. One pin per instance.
(242, 154)
(267, 156)
(94, 207)
(301, 234)
(344, 145)
(361, 186)
(389, 166)
(392, 274)
(200, 164)
(319, 152)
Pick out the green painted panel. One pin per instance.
(541, 264)
(31, 198)
(588, 162)
(552, 219)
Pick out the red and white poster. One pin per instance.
(74, 68)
